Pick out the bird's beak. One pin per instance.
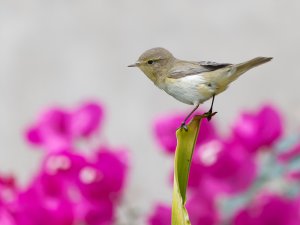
(135, 64)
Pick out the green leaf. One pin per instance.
(184, 151)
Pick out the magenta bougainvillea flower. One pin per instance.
(57, 129)
(34, 207)
(261, 129)
(290, 154)
(87, 188)
(105, 175)
(8, 189)
(71, 187)
(86, 120)
(8, 194)
(161, 215)
(226, 172)
(202, 209)
(223, 166)
(270, 209)
(5, 217)
(290, 159)
(165, 130)
(51, 131)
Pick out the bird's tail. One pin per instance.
(241, 68)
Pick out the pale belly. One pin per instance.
(191, 90)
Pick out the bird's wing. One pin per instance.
(183, 69)
(211, 66)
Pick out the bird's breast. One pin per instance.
(191, 90)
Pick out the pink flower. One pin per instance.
(33, 208)
(105, 176)
(221, 167)
(202, 210)
(294, 175)
(57, 129)
(8, 193)
(269, 209)
(74, 187)
(51, 130)
(165, 130)
(101, 212)
(290, 154)
(86, 120)
(70, 187)
(60, 173)
(5, 217)
(8, 189)
(259, 129)
(96, 177)
(161, 215)
(53, 194)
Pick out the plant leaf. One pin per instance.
(184, 151)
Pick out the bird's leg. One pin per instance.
(183, 125)
(210, 111)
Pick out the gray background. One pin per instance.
(63, 52)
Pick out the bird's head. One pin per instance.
(154, 62)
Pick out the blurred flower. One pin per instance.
(70, 187)
(60, 174)
(8, 189)
(87, 188)
(86, 120)
(220, 166)
(293, 175)
(33, 207)
(51, 131)
(202, 210)
(290, 154)
(161, 215)
(165, 130)
(226, 173)
(261, 129)
(97, 213)
(270, 209)
(5, 217)
(8, 194)
(105, 176)
(57, 129)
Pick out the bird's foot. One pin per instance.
(209, 114)
(184, 126)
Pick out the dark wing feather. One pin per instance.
(211, 66)
(192, 68)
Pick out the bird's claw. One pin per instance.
(209, 115)
(184, 126)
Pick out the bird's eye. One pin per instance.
(150, 62)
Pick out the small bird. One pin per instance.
(191, 82)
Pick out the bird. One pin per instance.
(191, 82)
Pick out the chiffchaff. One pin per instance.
(188, 81)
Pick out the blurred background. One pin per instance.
(64, 52)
